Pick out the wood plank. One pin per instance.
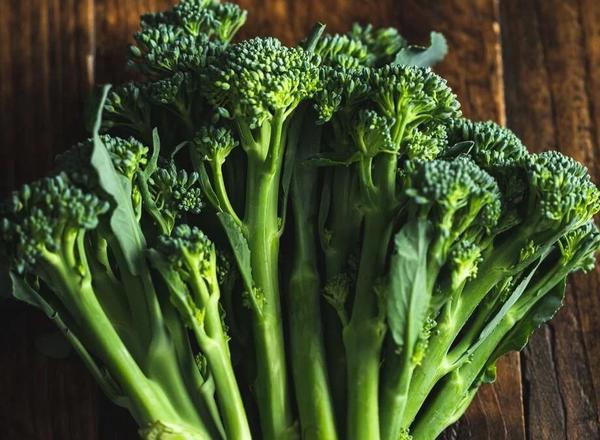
(551, 51)
(45, 47)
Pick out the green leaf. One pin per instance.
(542, 311)
(407, 296)
(153, 162)
(241, 251)
(206, 186)
(457, 149)
(123, 221)
(424, 56)
(510, 301)
(178, 290)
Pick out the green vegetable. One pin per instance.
(263, 241)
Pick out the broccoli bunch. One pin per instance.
(383, 251)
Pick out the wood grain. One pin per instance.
(45, 72)
(552, 56)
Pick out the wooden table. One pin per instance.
(532, 64)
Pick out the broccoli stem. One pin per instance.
(149, 402)
(453, 317)
(213, 343)
(262, 221)
(309, 367)
(446, 406)
(217, 170)
(394, 393)
(156, 360)
(344, 226)
(363, 336)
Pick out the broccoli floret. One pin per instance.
(464, 260)
(372, 135)
(341, 89)
(129, 156)
(412, 96)
(578, 248)
(175, 193)
(383, 43)
(561, 194)
(182, 38)
(453, 195)
(342, 51)
(127, 106)
(214, 144)
(165, 49)
(256, 79)
(207, 17)
(492, 144)
(189, 250)
(43, 221)
(426, 142)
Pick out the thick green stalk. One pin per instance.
(363, 336)
(262, 222)
(309, 367)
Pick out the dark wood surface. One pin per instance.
(532, 64)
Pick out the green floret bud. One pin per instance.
(423, 342)
(201, 17)
(372, 135)
(343, 51)
(561, 192)
(214, 143)
(255, 79)
(188, 248)
(426, 143)
(383, 44)
(492, 144)
(464, 259)
(413, 96)
(129, 156)
(336, 293)
(172, 89)
(127, 105)
(176, 193)
(578, 248)
(46, 217)
(341, 89)
(453, 194)
(166, 49)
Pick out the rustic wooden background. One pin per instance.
(531, 64)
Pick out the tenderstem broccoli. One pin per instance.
(308, 241)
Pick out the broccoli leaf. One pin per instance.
(424, 56)
(240, 248)
(123, 221)
(407, 296)
(543, 310)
